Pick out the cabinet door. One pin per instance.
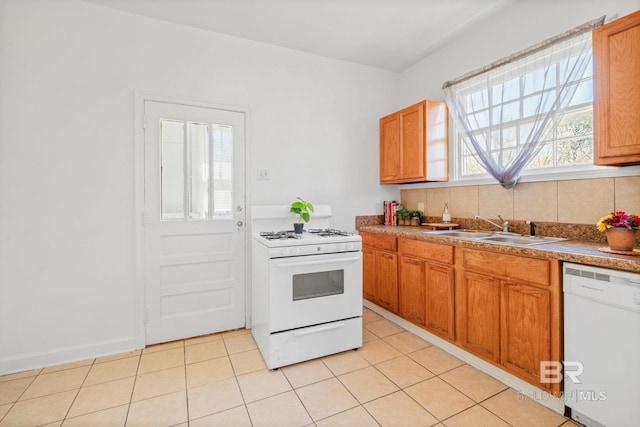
(479, 329)
(368, 274)
(387, 281)
(412, 139)
(526, 328)
(616, 121)
(440, 300)
(411, 288)
(390, 148)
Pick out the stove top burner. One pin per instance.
(280, 235)
(328, 232)
(290, 234)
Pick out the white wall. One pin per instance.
(68, 74)
(519, 25)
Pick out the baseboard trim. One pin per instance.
(537, 395)
(68, 355)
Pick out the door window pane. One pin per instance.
(222, 170)
(172, 169)
(198, 134)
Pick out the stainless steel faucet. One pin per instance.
(504, 227)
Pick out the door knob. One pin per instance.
(240, 223)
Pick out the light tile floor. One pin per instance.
(395, 379)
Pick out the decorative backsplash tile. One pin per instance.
(566, 209)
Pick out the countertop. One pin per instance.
(567, 250)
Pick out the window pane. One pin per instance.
(584, 93)
(576, 151)
(576, 124)
(222, 170)
(198, 134)
(507, 91)
(171, 169)
(470, 166)
(479, 120)
(506, 138)
(538, 80)
(543, 159)
(506, 112)
(477, 101)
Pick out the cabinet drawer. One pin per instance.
(426, 250)
(532, 270)
(379, 241)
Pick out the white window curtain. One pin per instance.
(506, 109)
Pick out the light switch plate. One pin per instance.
(262, 174)
(421, 206)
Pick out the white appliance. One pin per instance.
(602, 339)
(306, 289)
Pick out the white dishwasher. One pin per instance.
(602, 345)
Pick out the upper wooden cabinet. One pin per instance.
(616, 120)
(414, 144)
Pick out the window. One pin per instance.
(570, 143)
(532, 111)
(196, 170)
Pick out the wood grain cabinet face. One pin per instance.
(478, 304)
(616, 106)
(525, 329)
(426, 286)
(508, 311)
(414, 144)
(380, 270)
(412, 290)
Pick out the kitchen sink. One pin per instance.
(461, 234)
(521, 240)
(503, 239)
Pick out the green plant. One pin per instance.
(302, 209)
(402, 213)
(415, 214)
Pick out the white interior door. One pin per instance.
(194, 221)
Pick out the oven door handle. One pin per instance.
(306, 263)
(319, 329)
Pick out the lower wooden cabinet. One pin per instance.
(412, 290)
(525, 333)
(503, 308)
(426, 285)
(380, 270)
(478, 307)
(508, 311)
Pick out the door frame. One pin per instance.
(140, 98)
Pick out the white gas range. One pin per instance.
(306, 289)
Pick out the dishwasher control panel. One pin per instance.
(618, 288)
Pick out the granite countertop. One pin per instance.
(567, 250)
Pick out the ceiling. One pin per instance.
(387, 34)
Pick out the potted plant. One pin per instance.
(303, 209)
(403, 216)
(620, 229)
(415, 217)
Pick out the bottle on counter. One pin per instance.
(446, 216)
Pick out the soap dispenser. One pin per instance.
(446, 216)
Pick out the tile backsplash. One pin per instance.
(555, 205)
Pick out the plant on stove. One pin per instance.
(303, 209)
(618, 220)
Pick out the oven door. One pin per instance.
(315, 289)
